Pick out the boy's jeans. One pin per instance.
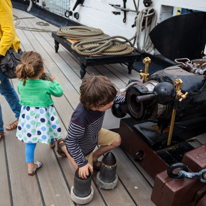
(11, 97)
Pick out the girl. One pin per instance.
(38, 122)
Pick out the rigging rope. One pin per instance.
(17, 21)
(144, 20)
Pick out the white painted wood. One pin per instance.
(99, 13)
(188, 4)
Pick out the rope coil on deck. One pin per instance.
(92, 41)
(105, 46)
(79, 32)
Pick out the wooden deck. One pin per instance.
(51, 185)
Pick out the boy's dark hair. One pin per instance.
(96, 91)
(30, 66)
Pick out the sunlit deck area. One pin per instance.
(52, 183)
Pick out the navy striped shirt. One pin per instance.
(83, 131)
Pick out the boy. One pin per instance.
(97, 94)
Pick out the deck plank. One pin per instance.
(53, 186)
(4, 189)
(137, 186)
(25, 190)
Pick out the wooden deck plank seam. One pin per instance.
(8, 174)
(105, 202)
(63, 174)
(136, 167)
(40, 190)
(127, 191)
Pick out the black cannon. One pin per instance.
(180, 88)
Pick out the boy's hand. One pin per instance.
(84, 171)
(51, 77)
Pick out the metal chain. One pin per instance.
(191, 175)
(183, 172)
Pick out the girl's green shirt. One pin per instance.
(37, 93)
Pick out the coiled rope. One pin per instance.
(145, 20)
(79, 32)
(105, 46)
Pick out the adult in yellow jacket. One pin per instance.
(8, 39)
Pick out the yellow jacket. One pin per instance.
(7, 29)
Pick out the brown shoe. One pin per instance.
(59, 150)
(2, 134)
(12, 126)
(97, 165)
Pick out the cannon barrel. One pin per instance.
(145, 97)
(156, 97)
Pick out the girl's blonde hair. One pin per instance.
(30, 66)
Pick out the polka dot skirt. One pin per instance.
(38, 125)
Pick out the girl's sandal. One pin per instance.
(39, 165)
(59, 150)
(95, 163)
(2, 135)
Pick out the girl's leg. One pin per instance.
(29, 153)
(52, 143)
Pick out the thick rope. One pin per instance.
(105, 46)
(79, 32)
(145, 20)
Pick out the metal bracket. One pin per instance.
(125, 13)
(77, 3)
(116, 12)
